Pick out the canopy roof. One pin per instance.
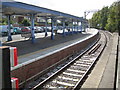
(19, 8)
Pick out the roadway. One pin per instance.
(18, 37)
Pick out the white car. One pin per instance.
(39, 29)
(4, 29)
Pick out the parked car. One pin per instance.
(25, 29)
(26, 32)
(4, 29)
(55, 28)
(49, 29)
(39, 29)
(16, 30)
(60, 27)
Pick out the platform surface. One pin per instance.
(43, 46)
(103, 74)
(118, 68)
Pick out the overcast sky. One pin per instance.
(74, 7)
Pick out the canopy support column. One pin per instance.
(32, 28)
(1, 43)
(46, 24)
(9, 29)
(52, 28)
(68, 28)
(84, 26)
(77, 26)
(63, 21)
(81, 26)
(72, 26)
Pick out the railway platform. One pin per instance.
(34, 59)
(103, 75)
(45, 46)
(118, 68)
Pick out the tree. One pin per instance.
(118, 17)
(4, 21)
(95, 21)
(99, 19)
(104, 16)
(108, 18)
(26, 22)
(112, 22)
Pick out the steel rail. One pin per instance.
(71, 62)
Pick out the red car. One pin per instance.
(26, 32)
(25, 29)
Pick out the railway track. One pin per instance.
(72, 73)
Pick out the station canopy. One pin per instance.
(19, 8)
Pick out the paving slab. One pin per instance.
(102, 75)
